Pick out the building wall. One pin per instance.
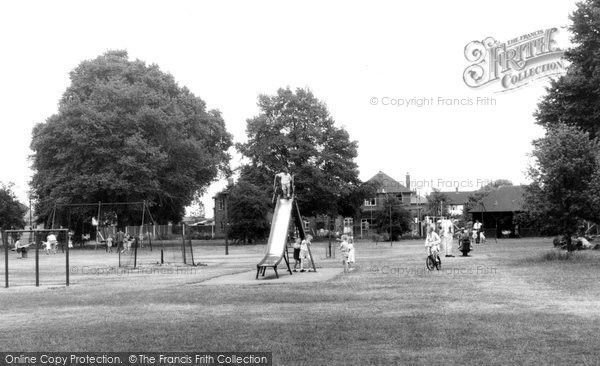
(220, 214)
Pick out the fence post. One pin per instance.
(37, 265)
(67, 259)
(5, 242)
(183, 243)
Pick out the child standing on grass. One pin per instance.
(109, 243)
(18, 248)
(296, 247)
(345, 249)
(48, 247)
(350, 252)
(127, 244)
(304, 254)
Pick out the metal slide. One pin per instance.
(279, 232)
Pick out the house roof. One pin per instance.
(389, 184)
(457, 198)
(503, 199)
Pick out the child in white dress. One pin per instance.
(350, 252)
(344, 248)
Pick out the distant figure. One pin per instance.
(350, 252)
(447, 231)
(84, 238)
(47, 246)
(109, 243)
(482, 239)
(18, 248)
(476, 230)
(120, 239)
(584, 243)
(127, 243)
(465, 242)
(285, 179)
(432, 241)
(304, 254)
(345, 250)
(51, 239)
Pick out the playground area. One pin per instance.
(506, 303)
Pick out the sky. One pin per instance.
(359, 57)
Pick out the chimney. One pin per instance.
(230, 182)
(407, 180)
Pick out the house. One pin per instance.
(388, 186)
(456, 201)
(498, 209)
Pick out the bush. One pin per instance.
(558, 255)
(376, 238)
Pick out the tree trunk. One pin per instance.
(570, 247)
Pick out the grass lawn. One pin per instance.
(505, 304)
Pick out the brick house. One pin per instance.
(389, 186)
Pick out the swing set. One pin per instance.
(105, 224)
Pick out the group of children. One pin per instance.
(122, 239)
(301, 253)
(51, 244)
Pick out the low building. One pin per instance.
(498, 209)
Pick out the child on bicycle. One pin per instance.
(432, 241)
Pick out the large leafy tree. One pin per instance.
(437, 203)
(12, 211)
(248, 209)
(574, 98)
(126, 131)
(566, 180)
(295, 130)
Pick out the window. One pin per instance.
(306, 224)
(371, 202)
(221, 204)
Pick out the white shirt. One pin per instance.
(446, 227)
(477, 226)
(286, 178)
(432, 239)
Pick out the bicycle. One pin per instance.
(433, 259)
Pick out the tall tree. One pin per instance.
(393, 218)
(126, 131)
(574, 98)
(248, 208)
(566, 180)
(12, 211)
(295, 130)
(437, 203)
